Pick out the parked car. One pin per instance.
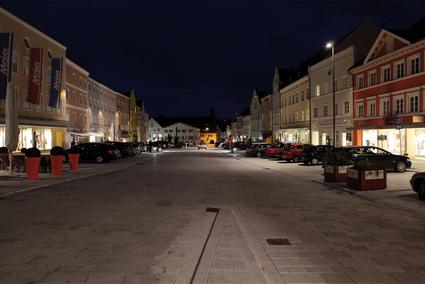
(202, 146)
(239, 146)
(417, 182)
(257, 149)
(95, 152)
(294, 153)
(275, 151)
(378, 157)
(124, 148)
(315, 154)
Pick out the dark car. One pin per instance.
(379, 158)
(239, 146)
(418, 184)
(124, 149)
(95, 152)
(257, 150)
(315, 154)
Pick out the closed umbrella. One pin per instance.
(12, 124)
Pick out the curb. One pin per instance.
(10, 194)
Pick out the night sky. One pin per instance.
(183, 57)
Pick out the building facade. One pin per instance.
(266, 113)
(182, 133)
(143, 122)
(108, 103)
(94, 112)
(121, 117)
(257, 114)
(40, 125)
(389, 89)
(76, 86)
(295, 112)
(156, 132)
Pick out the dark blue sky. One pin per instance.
(183, 57)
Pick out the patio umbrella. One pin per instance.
(12, 124)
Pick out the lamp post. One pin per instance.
(331, 46)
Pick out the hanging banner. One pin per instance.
(56, 82)
(36, 71)
(6, 51)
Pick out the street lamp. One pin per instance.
(331, 45)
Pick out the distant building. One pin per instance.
(122, 117)
(143, 123)
(156, 132)
(257, 114)
(182, 133)
(94, 112)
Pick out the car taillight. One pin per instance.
(110, 151)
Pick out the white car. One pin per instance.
(202, 146)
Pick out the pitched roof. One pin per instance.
(262, 93)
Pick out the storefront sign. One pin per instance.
(6, 44)
(374, 174)
(36, 71)
(56, 84)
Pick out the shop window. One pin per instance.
(399, 106)
(372, 78)
(346, 107)
(414, 104)
(399, 70)
(386, 73)
(414, 65)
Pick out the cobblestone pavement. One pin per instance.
(149, 224)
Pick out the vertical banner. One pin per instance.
(6, 51)
(56, 82)
(36, 71)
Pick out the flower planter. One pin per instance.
(56, 163)
(73, 161)
(32, 167)
(335, 173)
(366, 179)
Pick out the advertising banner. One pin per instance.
(36, 71)
(56, 82)
(6, 51)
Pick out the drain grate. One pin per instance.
(212, 209)
(278, 242)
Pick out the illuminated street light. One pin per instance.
(331, 45)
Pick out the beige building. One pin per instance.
(295, 114)
(258, 113)
(39, 124)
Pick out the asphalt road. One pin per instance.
(149, 224)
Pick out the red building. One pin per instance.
(389, 89)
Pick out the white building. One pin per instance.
(184, 132)
(348, 52)
(156, 131)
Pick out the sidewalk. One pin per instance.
(17, 183)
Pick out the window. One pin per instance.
(386, 73)
(386, 107)
(317, 90)
(346, 107)
(360, 110)
(399, 105)
(372, 109)
(325, 110)
(344, 82)
(302, 96)
(372, 78)
(296, 98)
(414, 65)
(414, 104)
(81, 118)
(26, 65)
(399, 70)
(315, 112)
(302, 116)
(325, 88)
(15, 63)
(360, 81)
(336, 109)
(296, 117)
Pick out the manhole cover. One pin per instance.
(278, 242)
(212, 209)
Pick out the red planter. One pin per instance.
(366, 179)
(33, 167)
(56, 163)
(335, 173)
(73, 161)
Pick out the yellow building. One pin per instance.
(39, 123)
(295, 114)
(210, 138)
